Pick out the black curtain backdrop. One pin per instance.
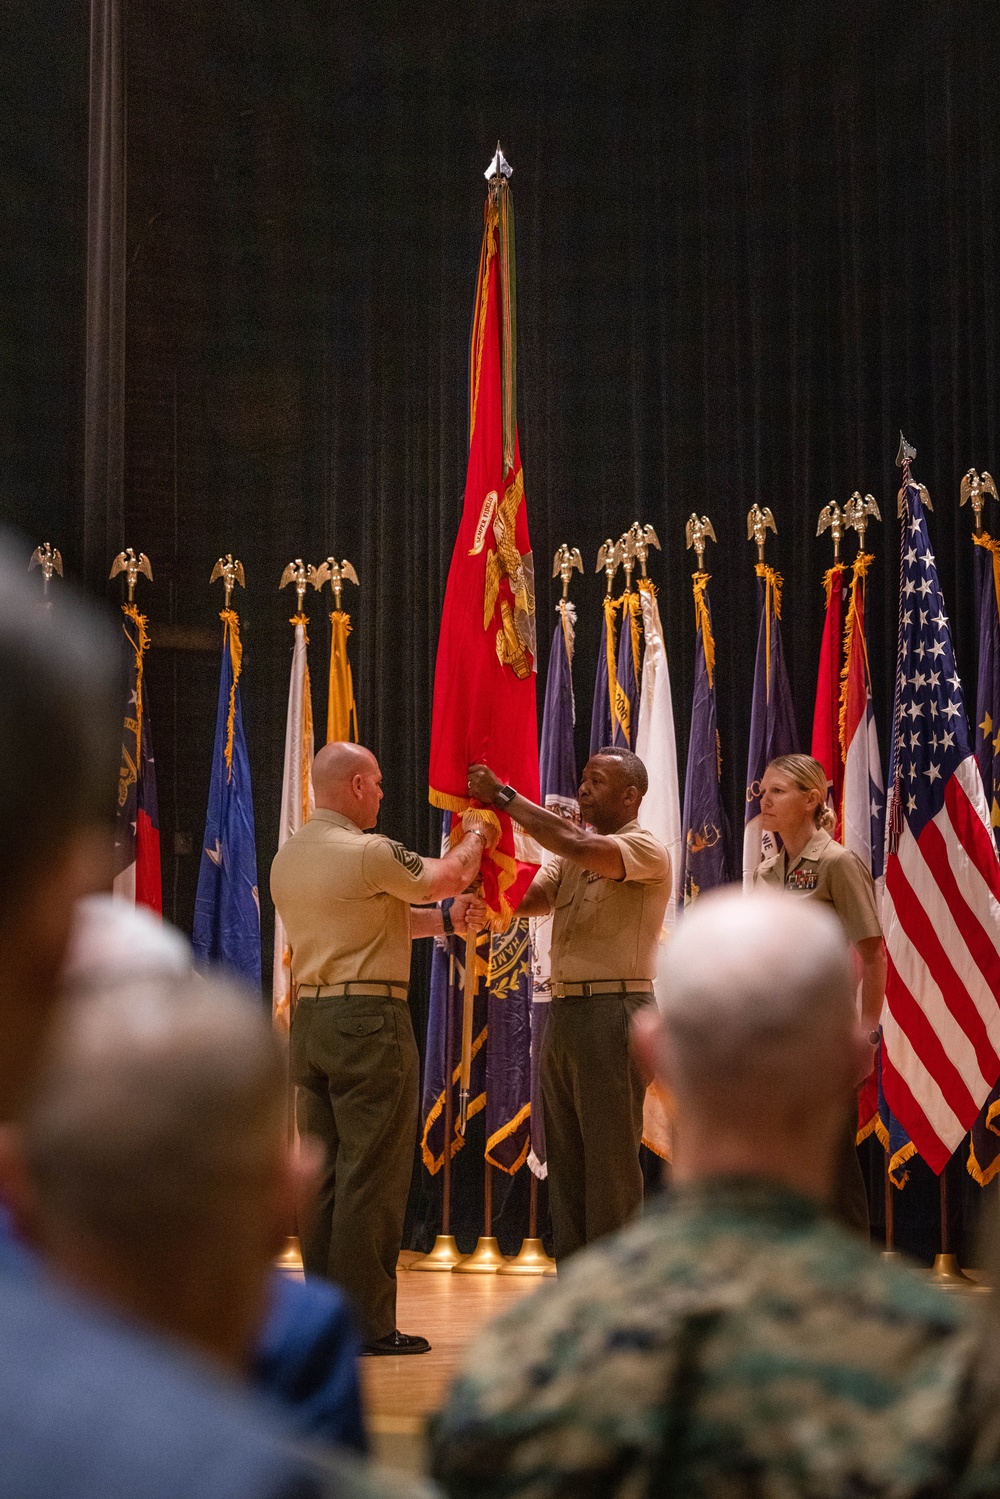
(754, 241)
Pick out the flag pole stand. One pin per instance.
(890, 1252)
(445, 1254)
(531, 1258)
(946, 1271)
(486, 1258)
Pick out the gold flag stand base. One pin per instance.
(530, 1259)
(444, 1256)
(289, 1261)
(946, 1273)
(485, 1259)
(893, 1254)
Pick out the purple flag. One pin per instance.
(508, 1049)
(557, 770)
(448, 974)
(984, 1147)
(707, 834)
(601, 728)
(626, 714)
(773, 730)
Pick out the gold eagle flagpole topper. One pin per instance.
(974, 489)
(301, 574)
(128, 563)
(759, 522)
(566, 560)
(49, 559)
(856, 512)
(696, 532)
(231, 572)
(831, 518)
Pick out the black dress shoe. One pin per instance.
(396, 1343)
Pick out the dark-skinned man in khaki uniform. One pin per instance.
(608, 889)
(812, 864)
(351, 903)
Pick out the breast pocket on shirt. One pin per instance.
(599, 912)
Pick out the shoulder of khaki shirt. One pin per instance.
(643, 855)
(391, 868)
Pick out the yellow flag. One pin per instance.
(342, 710)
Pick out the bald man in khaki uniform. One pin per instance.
(351, 903)
(608, 891)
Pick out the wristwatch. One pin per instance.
(446, 921)
(504, 796)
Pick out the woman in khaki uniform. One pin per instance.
(811, 863)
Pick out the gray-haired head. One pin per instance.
(155, 1149)
(756, 991)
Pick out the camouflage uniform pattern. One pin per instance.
(732, 1342)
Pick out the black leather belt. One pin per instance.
(354, 987)
(602, 986)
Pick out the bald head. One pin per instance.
(347, 779)
(756, 995)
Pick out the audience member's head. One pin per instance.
(159, 1178)
(759, 1040)
(58, 766)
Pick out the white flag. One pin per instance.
(656, 746)
(660, 814)
(297, 803)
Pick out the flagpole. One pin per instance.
(486, 1258)
(445, 1253)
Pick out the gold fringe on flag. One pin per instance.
(610, 609)
(984, 1175)
(231, 637)
(773, 584)
(862, 563)
(703, 622)
(129, 775)
(342, 710)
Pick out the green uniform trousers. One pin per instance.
(849, 1202)
(355, 1065)
(592, 1097)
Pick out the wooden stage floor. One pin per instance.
(448, 1310)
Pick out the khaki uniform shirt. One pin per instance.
(344, 897)
(827, 871)
(608, 929)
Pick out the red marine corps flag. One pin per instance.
(484, 682)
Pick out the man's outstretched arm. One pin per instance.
(594, 851)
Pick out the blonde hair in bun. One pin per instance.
(808, 775)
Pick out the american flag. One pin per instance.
(941, 909)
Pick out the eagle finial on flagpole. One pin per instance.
(759, 522)
(333, 572)
(696, 531)
(298, 573)
(231, 572)
(832, 517)
(976, 487)
(609, 558)
(642, 538)
(856, 512)
(49, 559)
(567, 558)
(128, 563)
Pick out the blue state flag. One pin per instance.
(984, 1146)
(601, 725)
(773, 730)
(626, 705)
(227, 905)
(707, 834)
